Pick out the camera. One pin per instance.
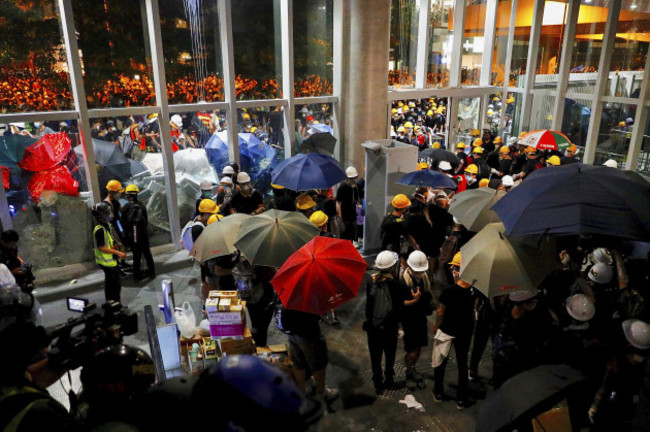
(78, 339)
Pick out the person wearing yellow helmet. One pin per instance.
(319, 219)
(136, 230)
(394, 229)
(462, 156)
(476, 133)
(483, 183)
(214, 218)
(305, 205)
(553, 161)
(430, 113)
(570, 155)
(393, 111)
(422, 166)
(471, 174)
(115, 190)
(478, 142)
(498, 140)
(408, 125)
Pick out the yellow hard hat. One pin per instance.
(478, 150)
(253, 129)
(460, 145)
(621, 123)
(215, 217)
(478, 142)
(483, 183)
(400, 104)
(476, 132)
(401, 129)
(208, 206)
(498, 140)
(412, 104)
(435, 145)
(153, 116)
(418, 127)
(304, 202)
(114, 186)
(132, 189)
(472, 169)
(522, 134)
(315, 122)
(394, 111)
(495, 98)
(504, 150)
(440, 110)
(401, 201)
(246, 116)
(408, 124)
(572, 148)
(554, 160)
(490, 111)
(430, 112)
(276, 186)
(405, 109)
(530, 149)
(549, 117)
(456, 260)
(423, 166)
(318, 218)
(510, 100)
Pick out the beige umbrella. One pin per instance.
(472, 207)
(218, 238)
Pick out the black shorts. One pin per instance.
(415, 334)
(308, 353)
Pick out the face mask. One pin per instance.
(109, 218)
(352, 182)
(246, 188)
(37, 124)
(206, 194)
(469, 178)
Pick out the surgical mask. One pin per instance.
(206, 194)
(469, 178)
(352, 182)
(37, 124)
(246, 188)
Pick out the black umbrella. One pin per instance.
(321, 143)
(137, 167)
(111, 163)
(439, 155)
(578, 199)
(527, 395)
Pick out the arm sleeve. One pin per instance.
(99, 238)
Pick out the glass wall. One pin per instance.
(644, 157)
(114, 52)
(311, 119)
(473, 42)
(575, 122)
(420, 122)
(468, 120)
(523, 23)
(440, 36)
(313, 47)
(587, 47)
(257, 49)
(541, 116)
(192, 51)
(500, 48)
(33, 67)
(550, 44)
(615, 132)
(403, 43)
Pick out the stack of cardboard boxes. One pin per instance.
(227, 318)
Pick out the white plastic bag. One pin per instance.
(185, 319)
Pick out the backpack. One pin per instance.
(186, 234)
(383, 303)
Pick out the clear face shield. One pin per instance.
(243, 274)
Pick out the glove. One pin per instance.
(494, 171)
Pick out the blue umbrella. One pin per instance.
(308, 171)
(217, 150)
(12, 148)
(578, 199)
(253, 153)
(321, 128)
(428, 178)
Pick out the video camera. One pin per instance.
(97, 329)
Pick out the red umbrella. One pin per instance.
(46, 153)
(58, 180)
(319, 276)
(5, 177)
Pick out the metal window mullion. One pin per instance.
(339, 31)
(182, 108)
(257, 103)
(121, 112)
(640, 119)
(38, 116)
(489, 34)
(160, 85)
(286, 20)
(457, 43)
(394, 95)
(531, 63)
(79, 94)
(228, 59)
(565, 63)
(423, 44)
(451, 124)
(601, 80)
(506, 74)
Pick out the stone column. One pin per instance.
(364, 86)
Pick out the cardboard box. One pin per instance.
(210, 349)
(246, 345)
(223, 331)
(234, 314)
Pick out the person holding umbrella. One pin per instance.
(455, 317)
(384, 303)
(418, 304)
(135, 223)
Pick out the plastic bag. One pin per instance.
(185, 319)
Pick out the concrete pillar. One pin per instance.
(364, 87)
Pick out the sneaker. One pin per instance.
(461, 404)
(437, 397)
(389, 382)
(379, 388)
(330, 394)
(472, 375)
(335, 320)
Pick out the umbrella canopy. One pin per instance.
(578, 199)
(496, 264)
(308, 171)
(320, 276)
(439, 155)
(322, 143)
(154, 163)
(46, 153)
(111, 162)
(194, 163)
(527, 395)
(218, 238)
(473, 207)
(12, 149)
(253, 153)
(57, 180)
(269, 238)
(137, 167)
(428, 178)
(217, 150)
(6, 174)
(546, 140)
(320, 128)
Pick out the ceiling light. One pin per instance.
(633, 6)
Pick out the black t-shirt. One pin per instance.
(99, 235)
(459, 311)
(420, 229)
(397, 294)
(530, 166)
(348, 197)
(246, 205)
(392, 229)
(9, 257)
(197, 229)
(300, 323)
(325, 205)
(505, 165)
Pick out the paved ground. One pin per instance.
(349, 369)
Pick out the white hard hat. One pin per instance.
(456, 221)
(637, 333)
(601, 255)
(444, 165)
(228, 170)
(512, 141)
(611, 163)
(418, 261)
(206, 185)
(225, 181)
(243, 177)
(580, 307)
(177, 120)
(351, 172)
(522, 296)
(600, 273)
(507, 181)
(386, 259)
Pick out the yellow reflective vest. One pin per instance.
(102, 258)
